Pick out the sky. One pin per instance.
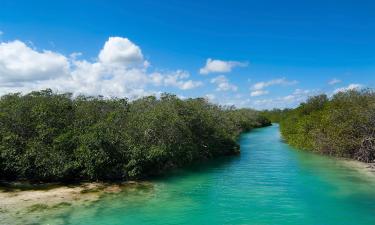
(258, 54)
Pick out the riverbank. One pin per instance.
(340, 125)
(16, 200)
(268, 183)
(99, 139)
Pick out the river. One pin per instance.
(268, 183)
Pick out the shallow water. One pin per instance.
(269, 183)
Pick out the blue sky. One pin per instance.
(259, 54)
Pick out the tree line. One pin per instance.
(46, 136)
(342, 125)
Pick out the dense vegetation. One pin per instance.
(275, 115)
(46, 136)
(343, 125)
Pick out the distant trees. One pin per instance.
(46, 136)
(275, 115)
(343, 125)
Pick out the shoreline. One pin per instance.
(21, 198)
(16, 202)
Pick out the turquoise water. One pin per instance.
(269, 183)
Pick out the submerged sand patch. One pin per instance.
(16, 203)
(367, 169)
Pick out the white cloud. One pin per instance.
(210, 97)
(291, 100)
(347, 88)
(220, 66)
(258, 88)
(75, 55)
(299, 95)
(18, 62)
(334, 81)
(119, 71)
(146, 64)
(258, 93)
(299, 91)
(120, 51)
(176, 79)
(157, 78)
(280, 81)
(223, 84)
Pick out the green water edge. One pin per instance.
(268, 183)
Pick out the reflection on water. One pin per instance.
(269, 183)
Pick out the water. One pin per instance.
(269, 183)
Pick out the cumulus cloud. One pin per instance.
(120, 51)
(258, 88)
(347, 88)
(75, 55)
(298, 95)
(279, 81)
(334, 81)
(220, 66)
(258, 93)
(291, 100)
(18, 62)
(210, 97)
(223, 84)
(120, 71)
(176, 79)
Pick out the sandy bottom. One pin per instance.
(16, 203)
(367, 169)
(20, 206)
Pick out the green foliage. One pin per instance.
(275, 115)
(54, 137)
(343, 125)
